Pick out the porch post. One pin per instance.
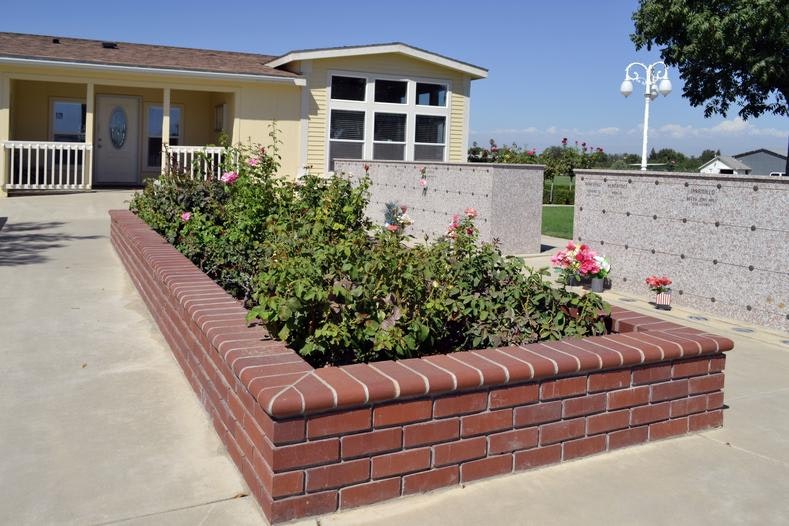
(89, 108)
(165, 127)
(5, 117)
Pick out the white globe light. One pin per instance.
(626, 88)
(664, 87)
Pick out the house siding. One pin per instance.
(388, 64)
(762, 163)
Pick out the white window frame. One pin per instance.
(446, 133)
(145, 135)
(51, 125)
(370, 107)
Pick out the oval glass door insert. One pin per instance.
(118, 127)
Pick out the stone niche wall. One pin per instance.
(508, 198)
(311, 441)
(722, 239)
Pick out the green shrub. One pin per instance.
(562, 194)
(338, 289)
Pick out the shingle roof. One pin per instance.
(19, 45)
(733, 163)
(765, 150)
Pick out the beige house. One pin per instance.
(79, 114)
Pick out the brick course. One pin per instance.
(313, 441)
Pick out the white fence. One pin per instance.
(37, 165)
(196, 161)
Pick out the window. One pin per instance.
(348, 88)
(392, 91)
(68, 121)
(372, 116)
(153, 143)
(346, 138)
(431, 94)
(389, 137)
(429, 138)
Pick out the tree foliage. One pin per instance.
(726, 51)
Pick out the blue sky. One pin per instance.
(555, 67)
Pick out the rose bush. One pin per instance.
(319, 275)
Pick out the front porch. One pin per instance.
(67, 136)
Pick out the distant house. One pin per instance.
(762, 161)
(723, 164)
(78, 113)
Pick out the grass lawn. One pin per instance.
(557, 221)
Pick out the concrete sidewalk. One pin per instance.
(99, 426)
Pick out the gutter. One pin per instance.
(167, 72)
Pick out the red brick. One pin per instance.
(583, 447)
(628, 397)
(628, 437)
(563, 388)
(561, 431)
(338, 475)
(650, 374)
(365, 444)
(430, 480)
(585, 405)
(338, 423)
(606, 422)
(369, 493)
(431, 432)
(694, 367)
(706, 384)
(303, 506)
(540, 456)
(281, 484)
(286, 458)
(460, 451)
(717, 363)
(649, 413)
(486, 467)
(538, 414)
(399, 463)
(403, 413)
(485, 423)
(669, 390)
(460, 405)
(687, 406)
(669, 428)
(512, 396)
(512, 440)
(609, 380)
(705, 420)
(714, 401)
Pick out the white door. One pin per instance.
(117, 150)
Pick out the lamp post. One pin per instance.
(655, 80)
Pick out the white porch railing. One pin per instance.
(38, 165)
(204, 162)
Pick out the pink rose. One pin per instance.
(253, 161)
(423, 183)
(392, 228)
(570, 245)
(229, 177)
(404, 208)
(471, 213)
(186, 216)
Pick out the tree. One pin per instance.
(726, 51)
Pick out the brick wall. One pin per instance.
(311, 441)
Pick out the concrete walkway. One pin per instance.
(99, 426)
(97, 423)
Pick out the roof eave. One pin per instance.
(167, 72)
(474, 72)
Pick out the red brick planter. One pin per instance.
(311, 441)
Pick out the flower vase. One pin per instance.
(598, 284)
(571, 280)
(663, 300)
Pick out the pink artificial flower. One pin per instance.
(186, 216)
(229, 177)
(392, 228)
(366, 168)
(404, 208)
(253, 161)
(471, 213)
(470, 230)
(570, 245)
(455, 219)
(423, 183)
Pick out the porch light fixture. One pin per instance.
(655, 80)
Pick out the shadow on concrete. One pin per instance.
(546, 248)
(26, 243)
